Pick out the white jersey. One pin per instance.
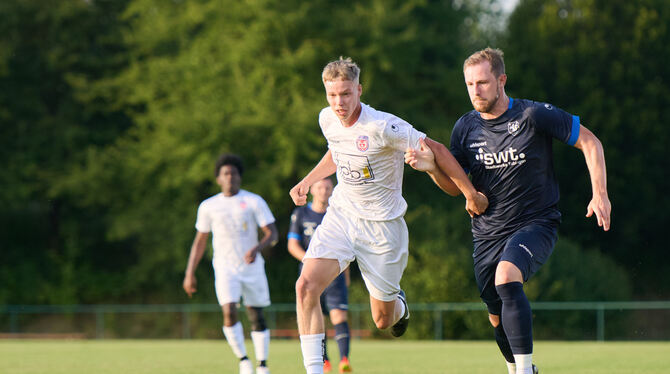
(234, 222)
(370, 162)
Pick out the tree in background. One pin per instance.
(53, 247)
(113, 112)
(606, 61)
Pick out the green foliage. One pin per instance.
(113, 113)
(604, 61)
(47, 50)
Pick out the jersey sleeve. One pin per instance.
(262, 213)
(204, 222)
(456, 146)
(294, 231)
(400, 135)
(556, 123)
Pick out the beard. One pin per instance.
(485, 106)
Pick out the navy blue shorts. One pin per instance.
(528, 248)
(335, 296)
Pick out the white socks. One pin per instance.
(312, 352)
(398, 311)
(524, 364)
(261, 341)
(511, 367)
(235, 337)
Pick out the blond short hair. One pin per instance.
(493, 56)
(341, 69)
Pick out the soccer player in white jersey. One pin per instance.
(234, 216)
(364, 221)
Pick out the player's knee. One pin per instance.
(229, 316)
(256, 319)
(383, 322)
(494, 319)
(507, 272)
(304, 290)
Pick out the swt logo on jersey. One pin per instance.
(508, 157)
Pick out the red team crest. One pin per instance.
(362, 143)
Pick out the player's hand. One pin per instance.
(299, 194)
(477, 204)
(422, 159)
(601, 206)
(190, 285)
(250, 256)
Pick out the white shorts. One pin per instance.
(250, 286)
(380, 247)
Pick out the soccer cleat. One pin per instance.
(400, 327)
(327, 367)
(246, 367)
(344, 365)
(262, 370)
(535, 370)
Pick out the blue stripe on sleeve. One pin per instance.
(511, 102)
(574, 133)
(292, 235)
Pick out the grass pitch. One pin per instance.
(367, 356)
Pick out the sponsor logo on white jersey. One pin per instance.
(508, 157)
(362, 143)
(353, 169)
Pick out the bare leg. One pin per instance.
(316, 275)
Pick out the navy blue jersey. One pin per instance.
(510, 161)
(303, 223)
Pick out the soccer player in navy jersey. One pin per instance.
(505, 145)
(335, 298)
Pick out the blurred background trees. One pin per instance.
(113, 112)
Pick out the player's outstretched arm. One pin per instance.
(325, 168)
(423, 159)
(190, 284)
(476, 203)
(594, 154)
(269, 240)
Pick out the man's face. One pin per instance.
(483, 86)
(343, 97)
(229, 179)
(322, 190)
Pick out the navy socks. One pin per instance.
(342, 338)
(516, 318)
(503, 343)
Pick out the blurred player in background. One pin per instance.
(234, 216)
(506, 146)
(334, 299)
(364, 221)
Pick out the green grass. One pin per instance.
(368, 356)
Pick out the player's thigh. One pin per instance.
(228, 285)
(530, 247)
(487, 254)
(332, 239)
(255, 290)
(382, 251)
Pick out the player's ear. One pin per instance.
(502, 79)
